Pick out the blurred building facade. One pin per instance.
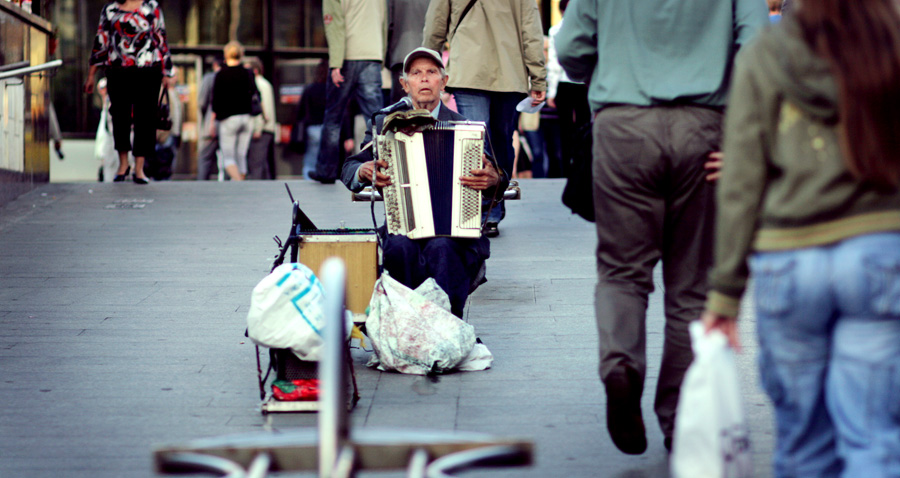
(288, 36)
(24, 101)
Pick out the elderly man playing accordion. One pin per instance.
(455, 263)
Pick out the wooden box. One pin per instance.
(359, 250)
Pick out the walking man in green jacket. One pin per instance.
(658, 72)
(356, 31)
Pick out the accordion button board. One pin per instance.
(426, 198)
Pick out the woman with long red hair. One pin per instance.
(809, 206)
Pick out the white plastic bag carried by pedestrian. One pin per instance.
(286, 311)
(413, 333)
(711, 436)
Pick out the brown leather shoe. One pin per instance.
(623, 410)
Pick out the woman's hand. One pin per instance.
(483, 178)
(89, 85)
(726, 325)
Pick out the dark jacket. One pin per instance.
(233, 89)
(352, 164)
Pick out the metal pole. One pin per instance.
(333, 423)
(31, 69)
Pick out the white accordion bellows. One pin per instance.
(426, 198)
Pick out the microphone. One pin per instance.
(404, 104)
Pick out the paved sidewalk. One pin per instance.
(122, 312)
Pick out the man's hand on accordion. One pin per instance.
(368, 169)
(483, 178)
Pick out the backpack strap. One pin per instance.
(461, 17)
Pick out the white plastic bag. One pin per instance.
(286, 311)
(711, 436)
(413, 334)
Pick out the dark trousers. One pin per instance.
(397, 92)
(207, 160)
(453, 263)
(362, 81)
(133, 98)
(258, 156)
(574, 112)
(652, 202)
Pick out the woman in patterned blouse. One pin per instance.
(131, 44)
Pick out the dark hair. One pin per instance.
(562, 5)
(861, 40)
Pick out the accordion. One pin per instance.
(426, 198)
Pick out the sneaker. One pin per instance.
(623, 411)
(315, 177)
(492, 229)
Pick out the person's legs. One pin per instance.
(336, 101)
(258, 156)
(795, 313)
(121, 101)
(206, 160)
(628, 173)
(244, 135)
(475, 105)
(368, 89)
(397, 92)
(687, 244)
(453, 263)
(402, 259)
(313, 140)
(863, 384)
(228, 146)
(146, 114)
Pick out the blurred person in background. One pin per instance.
(261, 156)
(207, 160)
(570, 100)
(307, 135)
(233, 91)
(809, 207)
(131, 44)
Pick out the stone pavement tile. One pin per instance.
(165, 363)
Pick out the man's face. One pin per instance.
(424, 83)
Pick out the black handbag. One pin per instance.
(163, 118)
(256, 108)
(578, 194)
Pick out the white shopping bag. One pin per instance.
(711, 436)
(286, 311)
(413, 333)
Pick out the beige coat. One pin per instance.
(498, 47)
(355, 30)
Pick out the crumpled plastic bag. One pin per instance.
(414, 332)
(286, 312)
(712, 439)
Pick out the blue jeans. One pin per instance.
(313, 141)
(829, 333)
(498, 110)
(362, 79)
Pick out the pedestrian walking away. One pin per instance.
(809, 206)
(658, 113)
